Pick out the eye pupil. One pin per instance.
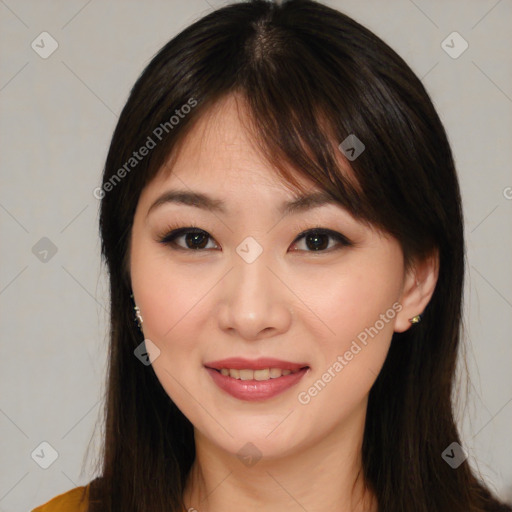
(317, 242)
(200, 238)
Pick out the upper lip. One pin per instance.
(240, 363)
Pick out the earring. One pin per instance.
(138, 317)
(416, 319)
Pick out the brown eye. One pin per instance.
(317, 240)
(194, 239)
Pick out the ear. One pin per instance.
(419, 285)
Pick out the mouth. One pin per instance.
(255, 380)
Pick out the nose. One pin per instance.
(254, 302)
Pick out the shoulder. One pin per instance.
(74, 500)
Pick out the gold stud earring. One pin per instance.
(415, 319)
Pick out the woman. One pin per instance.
(282, 226)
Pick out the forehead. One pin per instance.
(221, 149)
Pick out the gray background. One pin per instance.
(57, 117)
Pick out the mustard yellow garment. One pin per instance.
(69, 501)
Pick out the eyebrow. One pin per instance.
(205, 202)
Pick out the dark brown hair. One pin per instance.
(310, 77)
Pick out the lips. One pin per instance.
(252, 380)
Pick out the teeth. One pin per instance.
(247, 374)
(262, 374)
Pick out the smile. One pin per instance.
(252, 385)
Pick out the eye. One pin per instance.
(194, 238)
(317, 240)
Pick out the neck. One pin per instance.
(326, 475)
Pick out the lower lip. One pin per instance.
(256, 390)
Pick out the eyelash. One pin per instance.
(172, 232)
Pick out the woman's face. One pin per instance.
(246, 286)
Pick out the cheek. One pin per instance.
(355, 305)
(174, 314)
(348, 361)
(167, 294)
(351, 299)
